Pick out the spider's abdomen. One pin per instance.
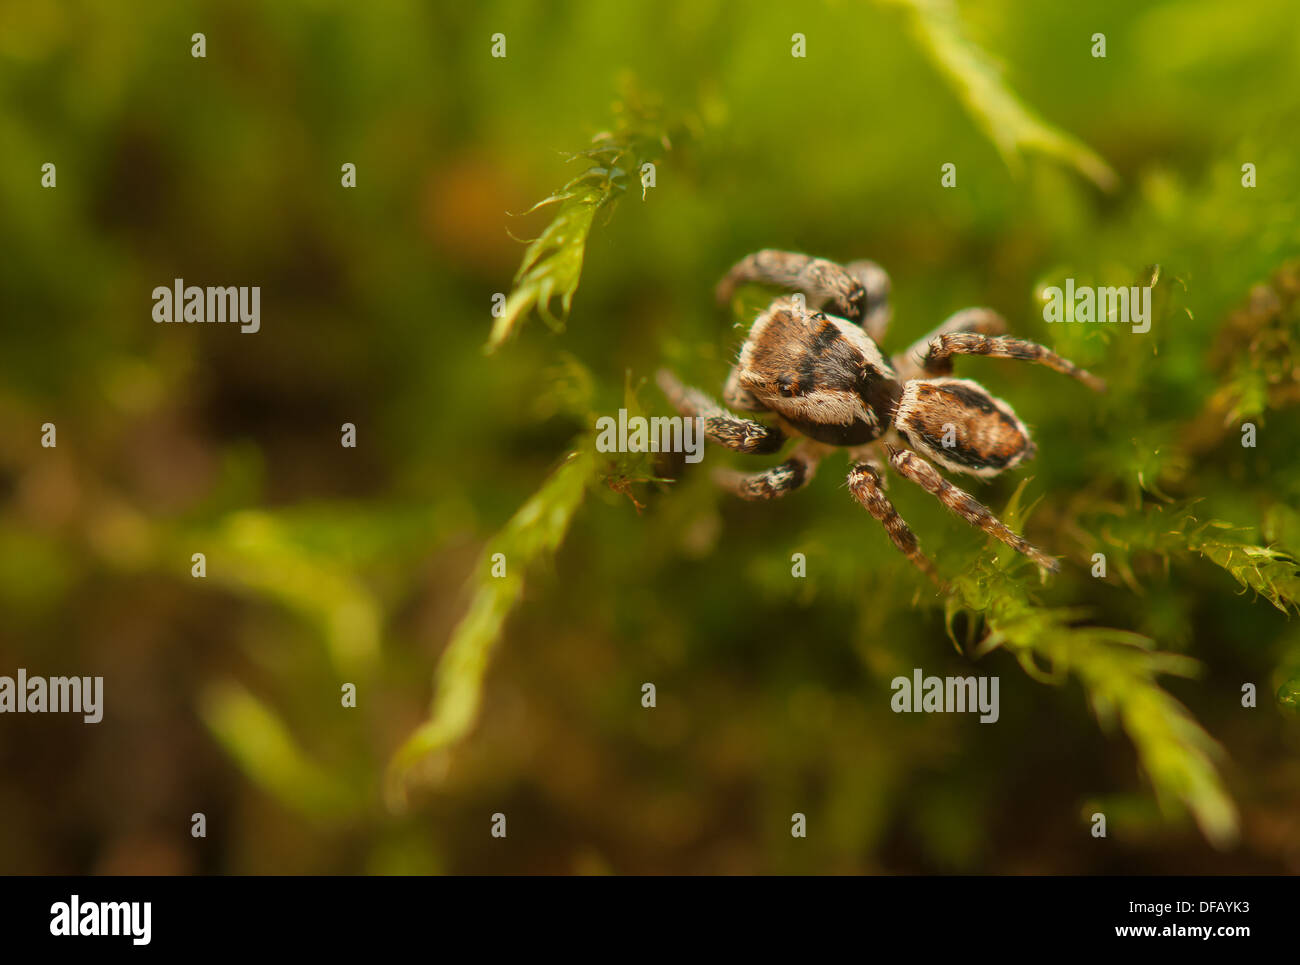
(959, 425)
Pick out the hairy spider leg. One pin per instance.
(867, 486)
(878, 312)
(938, 357)
(792, 474)
(912, 466)
(910, 364)
(824, 284)
(720, 426)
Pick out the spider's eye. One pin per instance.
(787, 386)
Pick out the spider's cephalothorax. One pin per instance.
(822, 376)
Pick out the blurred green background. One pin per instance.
(329, 565)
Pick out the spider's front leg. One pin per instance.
(859, 293)
(912, 466)
(720, 426)
(868, 487)
(878, 312)
(792, 474)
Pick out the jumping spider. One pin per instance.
(823, 377)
